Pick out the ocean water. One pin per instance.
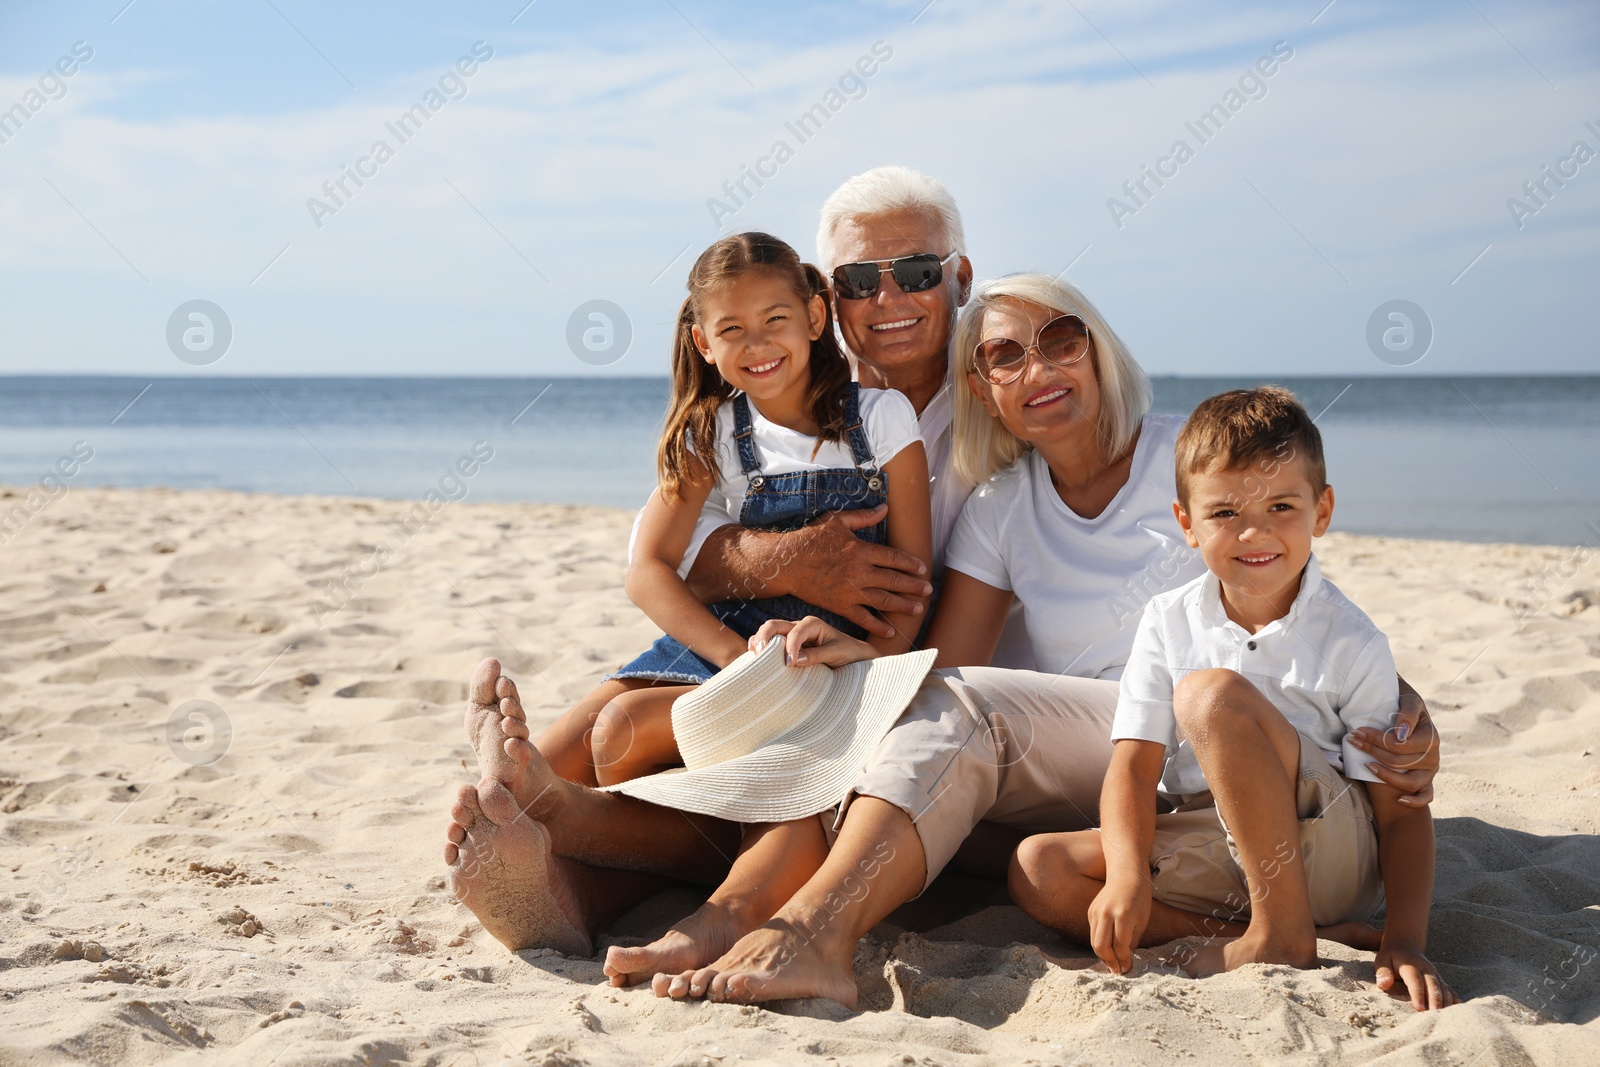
(1475, 459)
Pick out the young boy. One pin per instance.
(1234, 709)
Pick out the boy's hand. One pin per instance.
(1407, 965)
(1117, 920)
(811, 641)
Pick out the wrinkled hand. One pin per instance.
(1407, 966)
(811, 641)
(1117, 920)
(1406, 754)
(831, 567)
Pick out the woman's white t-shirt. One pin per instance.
(886, 415)
(1083, 583)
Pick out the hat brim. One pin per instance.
(810, 767)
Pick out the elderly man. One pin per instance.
(545, 861)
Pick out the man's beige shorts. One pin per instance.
(1196, 867)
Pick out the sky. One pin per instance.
(193, 153)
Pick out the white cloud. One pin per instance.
(1391, 147)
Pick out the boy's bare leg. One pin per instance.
(632, 736)
(1055, 877)
(806, 949)
(1251, 758)
(775, 861)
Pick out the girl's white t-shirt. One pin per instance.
(887, 416)
(1083, 583)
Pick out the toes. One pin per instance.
(495, 801)
(661, 985)
(451, 853)
(510, 700)
(514, 728)
(456, 833)
(700, 981)
(718, 987)
(741, 988)
(465, 811)
(483, 682)
(520, 750)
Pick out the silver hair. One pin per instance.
(883, 190)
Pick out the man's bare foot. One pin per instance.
(1361, 936)
(1227, 954)
(692, 943)
(776, 962)
(501, 867)
(498, 729)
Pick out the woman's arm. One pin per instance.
(910, 531)
(653, 583)
(968, 621)
(1406, 756)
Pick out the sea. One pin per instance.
(1489, 459)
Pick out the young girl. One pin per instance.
(766, 426)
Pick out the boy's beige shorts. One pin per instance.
(1196, 866)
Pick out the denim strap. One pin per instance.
(744, 435)
(856, 432)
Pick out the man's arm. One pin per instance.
(825, 563)
(1405, 756)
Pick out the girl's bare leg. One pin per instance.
(565, 743)
(632, 736)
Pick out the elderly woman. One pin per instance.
(1074, 521)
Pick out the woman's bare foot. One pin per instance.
(696, 941)
(779, 961)
(501, 867)
(1227, 954)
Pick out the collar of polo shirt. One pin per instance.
(1212, 611)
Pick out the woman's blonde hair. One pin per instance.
(981, 445)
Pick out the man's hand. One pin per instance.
(1117, 920)
(811, 641)
(1406, 754)
(824, 563)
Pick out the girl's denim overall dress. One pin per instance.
(778, 502)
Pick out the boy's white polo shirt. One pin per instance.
(1324, 665)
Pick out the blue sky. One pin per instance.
(1374, 164)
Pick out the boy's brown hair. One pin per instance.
(1242, 427)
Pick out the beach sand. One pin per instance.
(270, 889)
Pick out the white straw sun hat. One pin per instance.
(766, 742)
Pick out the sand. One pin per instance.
(268, 887)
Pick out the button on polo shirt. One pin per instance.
(1324, 665)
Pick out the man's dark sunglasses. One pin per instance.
(913, 274)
